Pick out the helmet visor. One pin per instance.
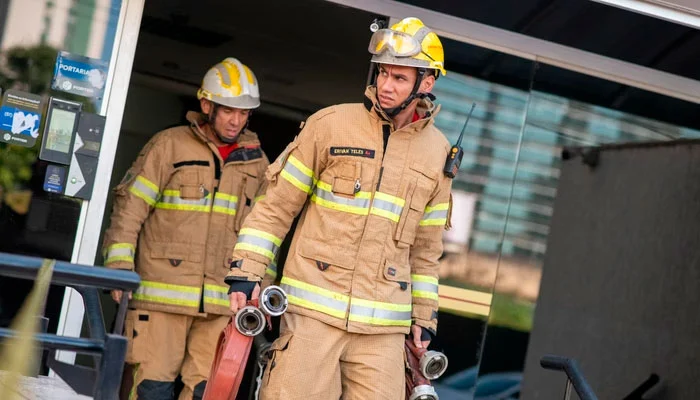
(399, 44)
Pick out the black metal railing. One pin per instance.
(574, 376)
(641, 392)
(108, 349)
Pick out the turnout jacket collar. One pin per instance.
(426, 109)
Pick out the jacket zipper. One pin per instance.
(217, 178)
(386, 131)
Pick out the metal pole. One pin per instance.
(567, 391)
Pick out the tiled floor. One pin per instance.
(40, 388)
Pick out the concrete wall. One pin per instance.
(621, 281)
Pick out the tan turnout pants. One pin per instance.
(163, 346)
(313, 360)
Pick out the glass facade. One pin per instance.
(504, 197)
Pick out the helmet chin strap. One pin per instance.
(394, 111)
(212, 119)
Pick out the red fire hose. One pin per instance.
(423, 365)
(236, 341)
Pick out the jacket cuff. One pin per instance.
(122, 265)
(425, 317)
(236, 285)
(247, 269)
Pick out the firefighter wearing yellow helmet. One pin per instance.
(182, 205)
(409, 43)
(362, 270)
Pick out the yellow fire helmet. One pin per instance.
(408, 42)
(231, 83)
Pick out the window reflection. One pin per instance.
(481, 196)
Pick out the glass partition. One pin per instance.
(565, 108)
(481, 197)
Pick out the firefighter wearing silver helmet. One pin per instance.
(182, 204)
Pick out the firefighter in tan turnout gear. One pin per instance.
(362, 270)
(177, 214)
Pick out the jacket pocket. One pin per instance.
(136, 333)
(191, 192)
(328, 253)
(421, 184)
(348, 179)
(177, 252)
(278, 347)
(395, 286)
(187, 182)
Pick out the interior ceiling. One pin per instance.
(306, 54)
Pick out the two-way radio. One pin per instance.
(454, 159)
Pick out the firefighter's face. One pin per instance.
(395, 83)
(227, 122)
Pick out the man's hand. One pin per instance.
(416, 332)
(239, 299)
(117, 295)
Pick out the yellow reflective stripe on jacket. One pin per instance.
(171, 200)
(260, 242)
(215, 294)
(315, 298)
(380, 313)
(144, 189)
(120, 252)
(435, 215)
(424, 286)
(324, 197)
(387, 206)
(225, 203)
(298, 174)
(165, 293)
(258, 198)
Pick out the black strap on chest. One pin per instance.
(245, 154)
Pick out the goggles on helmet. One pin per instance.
(398, 44)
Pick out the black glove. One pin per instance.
(236, 285)
(426, 334)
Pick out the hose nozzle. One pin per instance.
(423, 392)
(249, 321)
(273, 301)
(433, 364)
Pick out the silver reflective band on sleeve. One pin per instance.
(272, 270)
(435, 215)
(144, 189)
(425, 287)
(298, 174)
(259, 242)
(120, 252)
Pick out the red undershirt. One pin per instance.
(416, 117)
(227, 149)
